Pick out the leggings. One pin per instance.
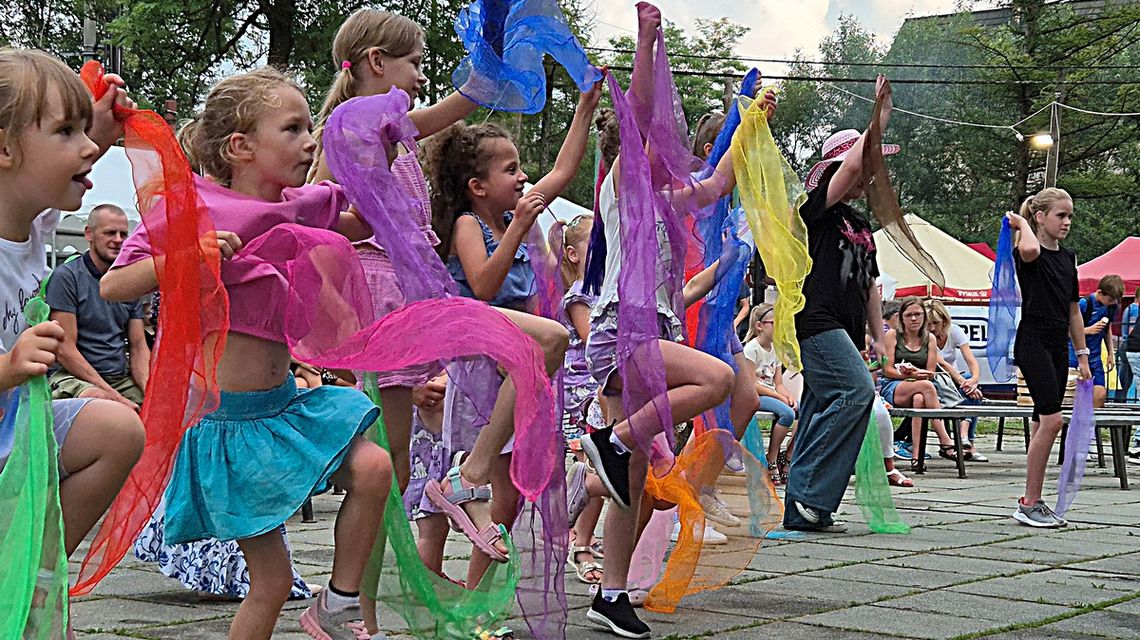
(1043, 357)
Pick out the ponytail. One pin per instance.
(1041, 203)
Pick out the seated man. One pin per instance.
(93, 359)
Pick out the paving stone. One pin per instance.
(877, 574)
(798, 631)
(963, 566)
(890, 621)
(1052, 587)
(973, 606)
(1110, 624)
(1128, 564)
(121, 613)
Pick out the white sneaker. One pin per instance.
(717, 511)
(711, 536)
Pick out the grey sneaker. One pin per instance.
(1038, 515)
(322, 624)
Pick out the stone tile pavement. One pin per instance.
(967, 570)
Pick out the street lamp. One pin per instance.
(1041, 141)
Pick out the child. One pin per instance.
(377, 51)
(579, 393)
(253, 140)
(774, 397)
(881, 413)
(50, 136)
(1097, 311)
(697, 382)
(483, 218)
(1047, 276)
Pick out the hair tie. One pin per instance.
(346, 65)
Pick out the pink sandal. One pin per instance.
(453, 491)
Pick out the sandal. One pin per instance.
(782, 463)
(584, 569)
(449, 494)
(596, 550)
(948, 452)
(918, 467)
(773, 472)
(895, 478)
(973, 456)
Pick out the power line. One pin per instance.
(901, 65)
(737, 75)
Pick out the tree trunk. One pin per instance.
(280, 17)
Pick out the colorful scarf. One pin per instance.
(1004, 302)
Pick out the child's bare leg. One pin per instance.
(366, 476)
(1040, 448)
(504, 510)
(478, 466)
(697, 382)
(588, 520)
(103, 444)
(621, 526)
(431, 539)
(270, 581)
(745, 402)
(398, 420)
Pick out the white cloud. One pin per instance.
(778, 27)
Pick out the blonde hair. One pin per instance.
(757, 314)
(1042, 203)
(570, 234)
(900, 326)
(391, 34)
(26, 79)
(937, 312)
(708, 128)
(234, 105)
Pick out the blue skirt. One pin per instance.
(246, 468)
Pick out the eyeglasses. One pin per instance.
(913, 316)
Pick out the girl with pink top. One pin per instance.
(253, 141)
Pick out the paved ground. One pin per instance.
(967, 570)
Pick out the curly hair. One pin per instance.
(452, 157)
(609, 135)
(234, 105)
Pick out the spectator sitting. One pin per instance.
(911, 356)
(93, 358)
(1098, 309)
(950, 340)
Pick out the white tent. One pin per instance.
(968, 273)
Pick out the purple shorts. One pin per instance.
(601, 347)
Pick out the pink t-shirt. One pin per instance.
(257, 292)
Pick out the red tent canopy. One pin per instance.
(1123, 260)
(983, 249)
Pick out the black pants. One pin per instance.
(1043, 357)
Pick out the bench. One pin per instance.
(1118, 421)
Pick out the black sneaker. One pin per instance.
(617, 616)
(612, 467)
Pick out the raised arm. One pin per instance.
(850, 171)
(486, 274)
(1028, 247)
(441, 115)
(573, 149)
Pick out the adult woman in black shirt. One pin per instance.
(1050, 316)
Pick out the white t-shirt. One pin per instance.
(23, 266)
(611, 218)
(954, 341)
(765, 361)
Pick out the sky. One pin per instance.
(778, 27)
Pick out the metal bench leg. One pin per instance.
(961, 461)
(307, 512)
(921, 451)
(1025, 426)
(1061, 449)
(1100, 448)
(1001, 432)
(1119, 436)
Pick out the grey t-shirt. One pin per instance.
(102, 325)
